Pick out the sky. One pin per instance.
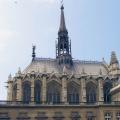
(93, 26)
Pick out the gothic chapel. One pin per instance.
(63, 88)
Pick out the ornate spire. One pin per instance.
(62, 27)
(113, 58)
(63, 45)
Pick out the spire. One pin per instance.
(113, 58)
(10, 77)
(62, 27)
(33, 52)
(63, 45)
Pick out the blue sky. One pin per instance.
(93, 26)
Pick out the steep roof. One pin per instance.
(49, 65)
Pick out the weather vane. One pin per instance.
(61, 1)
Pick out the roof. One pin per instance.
(49, 65)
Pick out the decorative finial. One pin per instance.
(10, 77)
(64, 70)
(83, 71)
(62, 7)
(113, 58)
(62, 2)
(33, 52)
(19, 70)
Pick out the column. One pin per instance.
(64, 89)
(32, 91)
(19, 89)
(100, 90)
(44, 89)
(100, 114)
(83, 90)
(114, 115)
(9, 91)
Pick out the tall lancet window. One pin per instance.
(26, 92)
(37, 91)
(73, 93)
(53, 92)
(14, 95)
(91, 92)
(106, 88)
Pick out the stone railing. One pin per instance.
(9, 103)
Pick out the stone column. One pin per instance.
(64, 89)
(114, 115)
(32, 91)
(9, 90)
(100, 90)
(44, 89)
(100, 114)
(19, 89)
(83, 90)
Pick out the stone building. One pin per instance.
(63, 88)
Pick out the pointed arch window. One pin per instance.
(106, 89)
(26, 92)
(61, 47)
(53, 92)
(73, 93)
(37, 91)
(90, 93)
